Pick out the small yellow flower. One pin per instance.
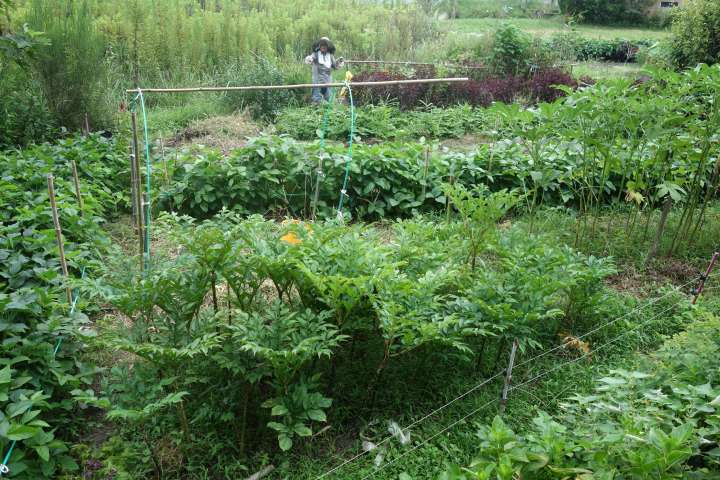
(348, 78)
(291, 238)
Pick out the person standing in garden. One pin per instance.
(323, 63)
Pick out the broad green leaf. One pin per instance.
(43, 452)
(278, 410)
(285, 442)
(317, 415)
(21, 432)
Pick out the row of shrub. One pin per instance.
(381, 122)
(576, 47)
(45, 382)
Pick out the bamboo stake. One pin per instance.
(316, 195)
(58, 235)
(76, 180)
(508, 378)
(133, 192)
(425, 172)
(139, 205)
(164, 161)
(297, 86)
(265, 471)
(138, 185)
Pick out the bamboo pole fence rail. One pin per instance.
(298, 86)
(416, 64)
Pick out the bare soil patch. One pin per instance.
(225, 132)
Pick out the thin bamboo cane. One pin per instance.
(508, 378)
(138, 188)
(133, 193)
(76, 180)
(297, 86)
(58, 235)
(140, 206)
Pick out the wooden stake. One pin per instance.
(297, 86)
(316, 195)
(164, 160)
(261, 473)
(138, 184)
(133, 192)
(508, 378)
(698, 291)
(140, 221)
(76, 179)
(87, 125)
(425, 172)
(58, 235)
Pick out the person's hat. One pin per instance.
(324, 41)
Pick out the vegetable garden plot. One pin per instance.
(44, 387)
(584, 152)
(256, 335)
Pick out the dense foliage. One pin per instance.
(601, 145)
(382, 122)
(24, 115)
(574, 47)
(657, 421)
(239, 337)
(608, 12)
(696, 33)
(72, 68)
(97, 47)
(44, 388)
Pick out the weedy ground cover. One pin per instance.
(654, 419)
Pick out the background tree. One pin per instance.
(696, 33)
(607, 11)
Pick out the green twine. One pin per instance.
(76, 295)
(343, 192)
(3, 466)
(323, 130)
(147, 180)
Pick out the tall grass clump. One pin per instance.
(72, 70)
(155, 39)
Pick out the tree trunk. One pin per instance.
(661, 229)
